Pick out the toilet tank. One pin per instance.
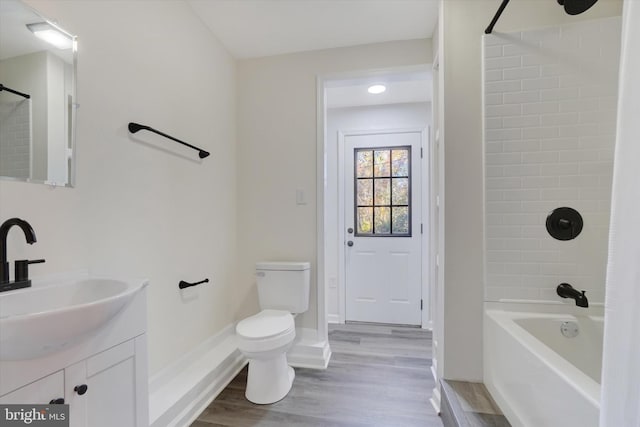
(284, 285)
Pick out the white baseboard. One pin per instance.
(433, 371)
(435, 393)
(435, 399)
(180, 392)
(333, 318)
(308, 351)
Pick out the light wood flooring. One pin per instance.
(466, 404)
(378, 376)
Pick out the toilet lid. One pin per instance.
(265, 324)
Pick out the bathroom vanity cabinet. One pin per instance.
(101, 390)
(103, 379)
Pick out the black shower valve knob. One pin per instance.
(564, 223)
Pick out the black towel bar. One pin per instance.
(184, 284)
(24, 95)
(135, 127)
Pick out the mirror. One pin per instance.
(37, 97)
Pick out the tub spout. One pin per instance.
(565, 290)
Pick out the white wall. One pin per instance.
(143, 205)
(549, 137)
(461, 67)
(277, 152)
(381, 117)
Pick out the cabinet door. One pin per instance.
(112, 401)
(101, 389)
(40, 392)
(75, 376)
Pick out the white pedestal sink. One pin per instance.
(45, 319)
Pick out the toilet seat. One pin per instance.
(265, 331)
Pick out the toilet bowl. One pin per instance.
(264, 339)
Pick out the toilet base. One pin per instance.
(269, 380)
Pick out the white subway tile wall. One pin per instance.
(549, 133)
(15, 139)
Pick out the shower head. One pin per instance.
(576, 7)
(572, 7)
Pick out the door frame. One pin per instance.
(325, 198)
(424, 217)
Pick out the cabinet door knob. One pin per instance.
(80, 389)
(59, 401)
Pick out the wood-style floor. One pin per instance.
(378, 376)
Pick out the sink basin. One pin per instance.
(41, 320)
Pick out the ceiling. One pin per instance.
(401, 88)
(256, 28)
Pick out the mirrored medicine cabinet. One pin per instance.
(37, 97)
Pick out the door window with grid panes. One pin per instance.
(382, 192)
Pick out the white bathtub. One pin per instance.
(539, 377)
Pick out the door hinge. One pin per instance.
(421, 152)
(421, 228)
(421, 304)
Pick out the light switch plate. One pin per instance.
(300, 197)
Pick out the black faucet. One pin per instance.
(565, 290)
(21, 267)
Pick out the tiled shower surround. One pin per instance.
(549, 118)
(15, 139)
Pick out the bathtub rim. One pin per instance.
(505, 314)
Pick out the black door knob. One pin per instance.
(349, 243)
(58, 401)
(80, 389)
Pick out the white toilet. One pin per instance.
(283, 289)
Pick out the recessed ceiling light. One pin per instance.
(50, 34)
(376, 89)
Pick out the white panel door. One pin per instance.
(382, 218)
